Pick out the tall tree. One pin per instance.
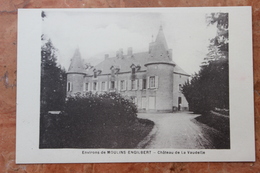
(53, 79)
(209, 88)
(218, 47)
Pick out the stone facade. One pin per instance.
(151, 79)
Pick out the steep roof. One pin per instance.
(125, 63)
(158, 52)
(76, 65)
(161, 38)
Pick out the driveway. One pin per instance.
(177, 130)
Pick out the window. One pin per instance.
(103, 84)
(133, 70)
(152, 82)
(122, 85)
(95, 74)
(86, 87)
(144, 84)
(69, 86)
(94, 86)
(134, 84)
(112, 86)
(113, 72)
(180, 87)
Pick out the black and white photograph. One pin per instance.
(138, 82)
(119, 80)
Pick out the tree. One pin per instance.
(53, 80)
(218, 47)
(209, 88)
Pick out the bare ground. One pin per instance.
(179, 131)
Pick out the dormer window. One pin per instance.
(133, 71)
(138, 67)
(113, 71)
(135, 68)
(117, 69)
(95, 74)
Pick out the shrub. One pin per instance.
(94, 121)
(101, 108)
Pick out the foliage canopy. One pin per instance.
(53, 80)
(209, 88)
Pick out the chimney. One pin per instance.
(106, 56)
(119, 53)
(130, 51)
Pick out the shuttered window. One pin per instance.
(134, 84)
(140, 84)
(122, 85)
(86, 87)
(112, 85)
(94, 86)
(144, 84)
(152, 82)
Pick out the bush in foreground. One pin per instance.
(95, 121)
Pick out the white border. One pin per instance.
(241, 96)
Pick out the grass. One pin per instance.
(221, 124)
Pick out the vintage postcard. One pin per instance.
(135, 85)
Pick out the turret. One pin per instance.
(75, 75)
(158, 49)
(160, 75)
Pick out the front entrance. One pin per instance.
(151, 103)
(179, 103)
(144, 103)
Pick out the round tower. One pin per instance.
(159, 73)
(75, 75)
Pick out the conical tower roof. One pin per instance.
(160, 39)
(76, 65)
(158, 49)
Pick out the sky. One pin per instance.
(97, 33)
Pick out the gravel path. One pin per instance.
(178, 130)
